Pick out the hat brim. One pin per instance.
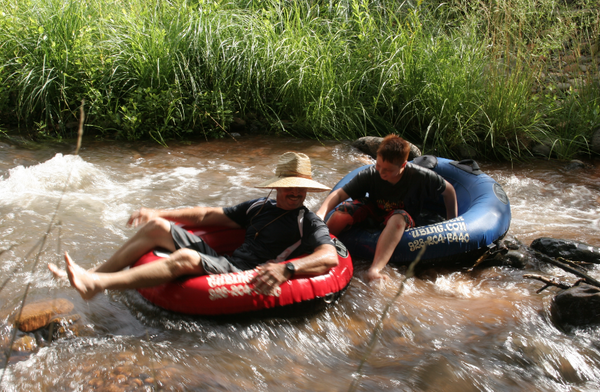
(294, 182)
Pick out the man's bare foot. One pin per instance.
(86, 283)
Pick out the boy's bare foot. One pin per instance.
(86, 283)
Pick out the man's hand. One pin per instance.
(142, 216)
(268, 277)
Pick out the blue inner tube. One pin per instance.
(483, 219)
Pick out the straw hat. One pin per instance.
(293, 171)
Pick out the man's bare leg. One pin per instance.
(155, 233)
(88, 283)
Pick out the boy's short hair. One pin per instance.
(394, 149)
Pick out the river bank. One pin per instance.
(501, 77)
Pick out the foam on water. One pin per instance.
(539, 207)
(50, 178)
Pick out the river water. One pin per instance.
(486, 330)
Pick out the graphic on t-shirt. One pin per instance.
(388, 206)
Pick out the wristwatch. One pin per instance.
(289, 267)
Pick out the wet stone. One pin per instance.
(568, 249)
(574, 164)
(137, 381)
(25, 343)
(78, 330)
(120, 378)
(66, 320)
(113, 388)
(512, 258)
(576, 307)
(38, 315)
(370, 144)
(96, 382)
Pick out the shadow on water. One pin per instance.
(449, 330)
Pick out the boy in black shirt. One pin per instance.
(391, 193)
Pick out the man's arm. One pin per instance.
(271, 275)
(193, 216)
(449, 196)
(334, 198)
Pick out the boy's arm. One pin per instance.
(449, 196)
(334, 198)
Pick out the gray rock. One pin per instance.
(541, 150)
(578, 306)
(573, 165)
(568, 249)
(370, 144)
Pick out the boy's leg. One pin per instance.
(347, 214)
(395, 225)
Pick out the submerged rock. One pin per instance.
(24, 343)
(515, 255)
(574, 165)
(576, 307)
(568, 249)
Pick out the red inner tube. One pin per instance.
(232, 293)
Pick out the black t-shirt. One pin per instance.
(277, 230)
(416, 185)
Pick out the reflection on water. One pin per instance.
(451, 331)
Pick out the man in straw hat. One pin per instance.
(276, 230)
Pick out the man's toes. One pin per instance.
(57, 272)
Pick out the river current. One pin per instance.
(485, 330)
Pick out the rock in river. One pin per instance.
(577, 306)
(39, 314)
(568, 249)
(370, 144)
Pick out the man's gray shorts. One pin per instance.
(211, 261)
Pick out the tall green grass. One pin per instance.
(444, 75)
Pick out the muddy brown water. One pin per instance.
(485, 330)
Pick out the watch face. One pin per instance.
(291, 268)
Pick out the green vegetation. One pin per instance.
(490, 74)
